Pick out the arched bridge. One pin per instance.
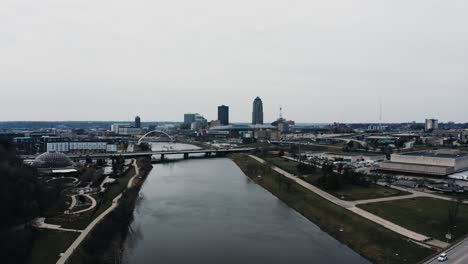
(155, 131)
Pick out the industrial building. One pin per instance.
(435, 162)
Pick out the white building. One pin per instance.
(435, 162)
(431, 124)
(125, 129)
(73, 146)
(129, 131)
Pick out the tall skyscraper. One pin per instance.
(223, 114)
(257, 113)
(137, 122)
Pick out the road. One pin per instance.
(457, 254)
(351, 207)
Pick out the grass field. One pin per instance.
(49, 244)
(368, 239)
(424, 215)
(356, 192)
(347, 192)
(285, 164)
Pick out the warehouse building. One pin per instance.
(435, 162)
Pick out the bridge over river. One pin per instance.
(186, 153)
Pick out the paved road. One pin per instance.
(90, 227)
(457, 254)
(351, 207)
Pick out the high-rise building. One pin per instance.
(194, 121)
(431, 124)
(257, 112)
(189, 119)
(137, 122)
(223, 114)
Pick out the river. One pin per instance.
(208, 211)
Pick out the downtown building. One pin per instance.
(257, 112)
(81, 146)
(223, 115)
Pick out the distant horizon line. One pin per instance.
(240, 122)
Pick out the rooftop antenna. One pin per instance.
(281, 113)
(380, 115)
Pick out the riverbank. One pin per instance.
(365, 237)
(104, 243)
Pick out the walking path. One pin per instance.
(41, 224)
(93, 204)
(351, 207)
(64, 257)
(73, 203)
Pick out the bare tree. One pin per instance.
(453, 209)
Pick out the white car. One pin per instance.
(443, 257)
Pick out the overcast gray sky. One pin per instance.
(323, 61)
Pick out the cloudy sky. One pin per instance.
(322, 61)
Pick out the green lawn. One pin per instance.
(81, 221)
(49, 244)
(285, 164)
(368, 239)
(424, 215)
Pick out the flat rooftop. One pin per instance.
(449, 154)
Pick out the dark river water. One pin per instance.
(208, 211)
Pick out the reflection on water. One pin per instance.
(208, 211)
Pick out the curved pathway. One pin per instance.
(93, 205)
(72, 205)
(64, 257)
(351, 207)
(75, 180)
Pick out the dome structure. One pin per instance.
(52, 159)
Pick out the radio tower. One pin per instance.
(380, 115)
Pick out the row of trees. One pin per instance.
(22, 197)
(332, 180)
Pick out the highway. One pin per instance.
(457, 254)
